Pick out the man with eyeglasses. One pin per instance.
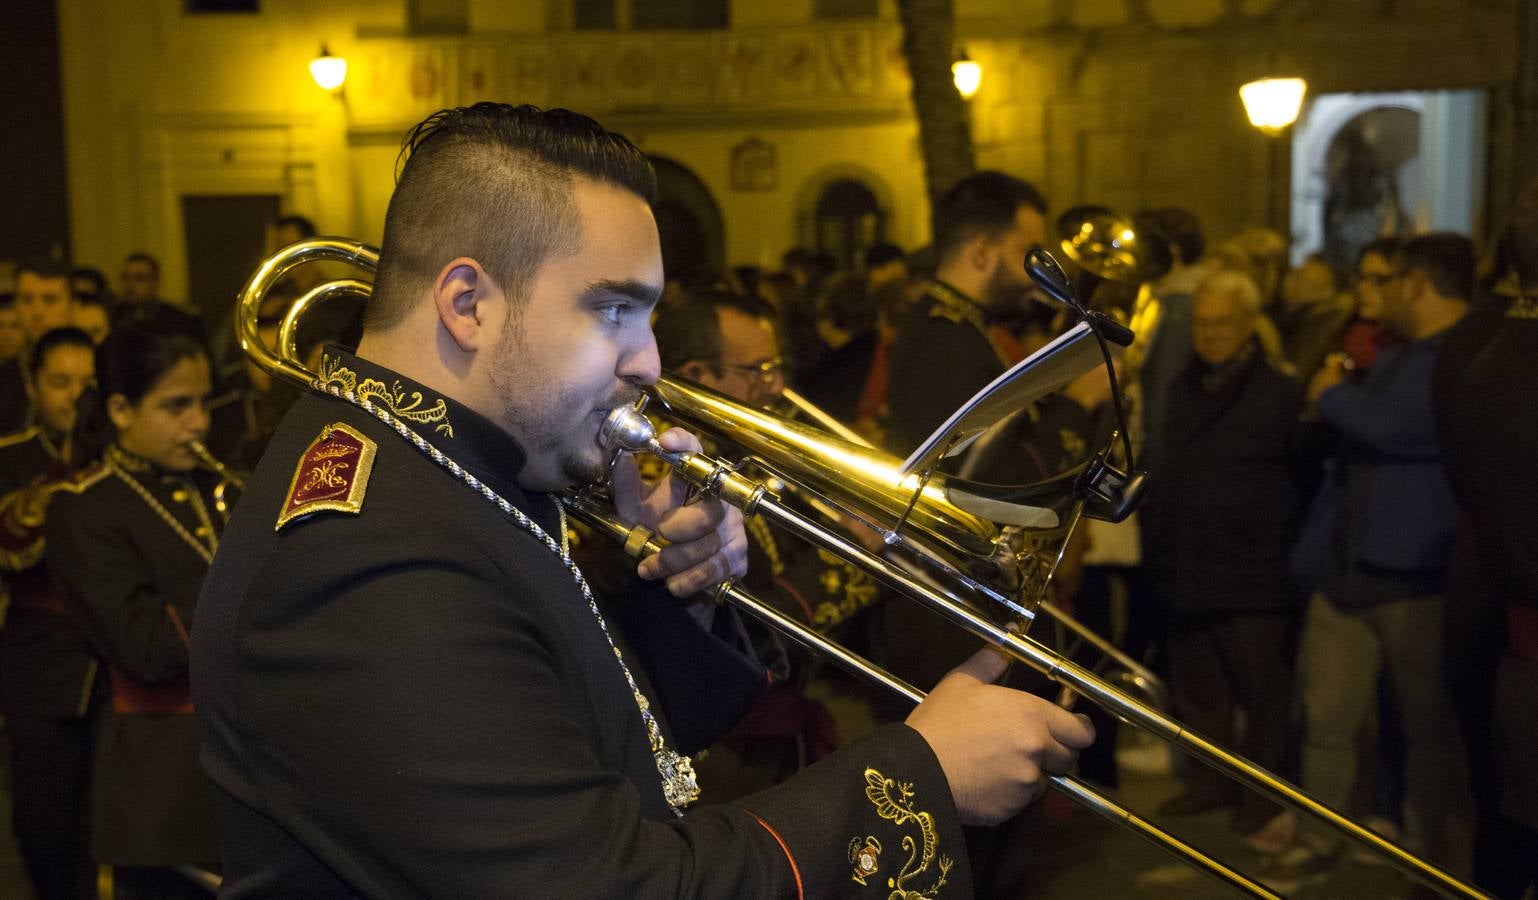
(1382, 530)
(728, 343)
(1366, 335)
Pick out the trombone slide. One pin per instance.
(639, 543)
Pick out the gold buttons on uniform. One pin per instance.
(179, 495)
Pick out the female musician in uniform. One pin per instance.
(130, 550)
(48, 675)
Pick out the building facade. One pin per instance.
(774, 123)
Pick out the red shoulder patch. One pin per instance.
(332, 475)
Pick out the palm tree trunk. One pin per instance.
(944, 131)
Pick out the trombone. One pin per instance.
(954, 547)
(1128, 671)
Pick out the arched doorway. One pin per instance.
(688, 223)
(1367, 164)
(847, 219)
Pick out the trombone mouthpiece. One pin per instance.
(625, 428)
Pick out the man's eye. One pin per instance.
(614, 314)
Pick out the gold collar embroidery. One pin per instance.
(394, 398)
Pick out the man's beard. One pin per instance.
(1004, 295)
(548, 430)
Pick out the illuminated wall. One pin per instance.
(1126, 102)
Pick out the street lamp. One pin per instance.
(968, 75)
(1273, 103)
(328, 71)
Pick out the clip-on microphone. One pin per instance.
(1110, 494)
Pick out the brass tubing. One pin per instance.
(1071, 787)
(1070, 675)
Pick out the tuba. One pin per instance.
(947, 549)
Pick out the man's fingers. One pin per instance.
(712, 571)
(678, 558)
(690, 523)
(677, 439)
(625, 488)
(986, 665)
(1071, 729)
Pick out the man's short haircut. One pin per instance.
(493, 182)
(1386, 246)
(1447, 259)
(141, 256)
(94, 276)
(1179, 228)
(301, 224)
(982, 203)
(68, 336)
(91, 300)
(690, 330)
(1519, 243)
(881, 254)
(43, 268)
(1236, 285)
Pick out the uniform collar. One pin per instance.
(959, 304)
(456, 430)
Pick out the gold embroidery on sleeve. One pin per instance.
(898, 807)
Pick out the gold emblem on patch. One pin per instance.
(864, 855)
(332, 474)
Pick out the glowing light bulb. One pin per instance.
(1273, 103)
(328, 71)
(968, 75)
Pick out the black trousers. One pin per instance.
(50, 790)
(1220, 664)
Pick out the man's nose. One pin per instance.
(642, 364)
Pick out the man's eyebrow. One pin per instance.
(639, 291)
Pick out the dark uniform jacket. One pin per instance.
(1220, 508)
(404, 694)
(135, 581)
(941, 357)
(15, 401)
(46, 668)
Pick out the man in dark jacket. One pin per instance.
(1216, 524)
(1382, 530)
(408, 688)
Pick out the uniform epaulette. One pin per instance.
(20, 437)
(948, 313)
(84, 479)
(332, 474)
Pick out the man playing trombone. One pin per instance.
(406, 687)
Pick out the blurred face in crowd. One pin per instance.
(11, 337)
(1220, 326)
(92, 319)
(43, 304)
(1373, 273)
(1310, 283)
(579, 342)
(751, 369)
(1400, 294)
(140, 283)
(1008, 285)
(168, 418)
(61, 378)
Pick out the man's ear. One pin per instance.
(980, 252)
(465, 297)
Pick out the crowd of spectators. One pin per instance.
(1334, 564)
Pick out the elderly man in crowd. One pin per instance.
(1217, 521)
